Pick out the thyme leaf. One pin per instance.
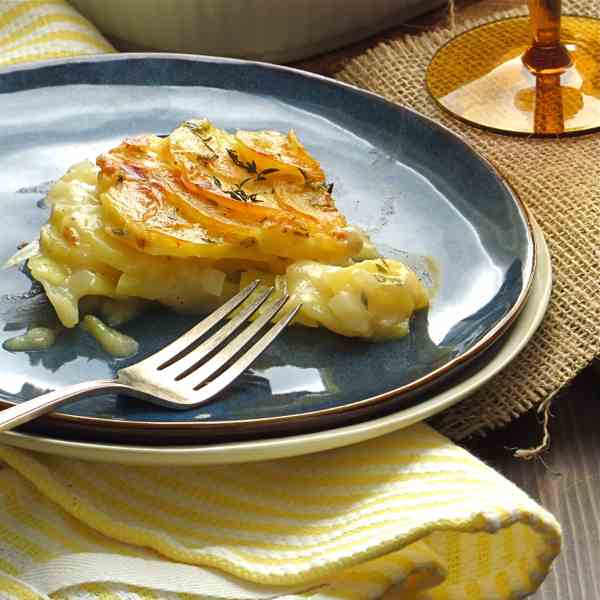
(242, 196)
(262, 175)
(249, 166)
(238, 193)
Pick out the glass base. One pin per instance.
(480, 77)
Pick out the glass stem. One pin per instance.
(549, 113)
(546, 54)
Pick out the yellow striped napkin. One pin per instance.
(409, 515)
(42, 29)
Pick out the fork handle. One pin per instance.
(30, 409)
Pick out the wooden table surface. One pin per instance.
(566, 479)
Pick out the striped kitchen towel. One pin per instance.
(409, 515)
(42, 29)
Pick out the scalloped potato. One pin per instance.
(188, 219)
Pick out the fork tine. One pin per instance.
(204, 393)
(184, 363)
(202, 373)
(181, 344)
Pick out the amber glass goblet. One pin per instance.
(536, 76)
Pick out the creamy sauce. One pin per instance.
(36, 338)
(114, 342)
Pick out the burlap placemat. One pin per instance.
(559, 179)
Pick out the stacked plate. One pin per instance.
(423, 195)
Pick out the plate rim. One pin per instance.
(231, 426)
(296, 445)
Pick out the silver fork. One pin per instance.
(177, 376)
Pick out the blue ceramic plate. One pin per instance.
(421, 193)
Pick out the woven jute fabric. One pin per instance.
(559, 180)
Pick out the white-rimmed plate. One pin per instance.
(267, 449)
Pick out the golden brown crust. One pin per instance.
(203, 186)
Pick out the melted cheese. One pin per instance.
(36, 338)
(115, 343)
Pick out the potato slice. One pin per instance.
(272, 149)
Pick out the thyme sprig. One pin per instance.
(250, 166)
(238, 193)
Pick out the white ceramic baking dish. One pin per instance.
(271, 30)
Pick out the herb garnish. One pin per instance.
(250, 166)
(198, 131)
(261, 175)
(238, 193)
